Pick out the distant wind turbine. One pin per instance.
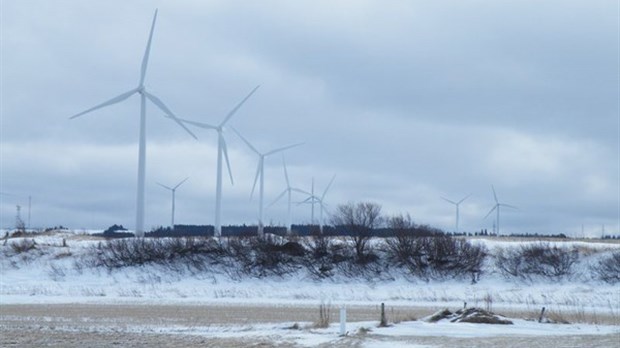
(288, 190)
(260, 174)
(457, 204)
(173, 190)
(321, 200)
(496, 208)
(221, 150)
(140, 89)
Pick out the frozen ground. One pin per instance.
(45, 300)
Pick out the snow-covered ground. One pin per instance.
(592, 307)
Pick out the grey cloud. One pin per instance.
(405, 102)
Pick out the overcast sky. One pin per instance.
(405, 101)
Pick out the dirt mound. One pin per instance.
(469, 315)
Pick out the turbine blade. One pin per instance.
(307, 200)
(164, 186)
(508, 206)
(282, 149)
(181, 183)
(225, 150)
(234, 110)
(278, 198)
(490, 211)
(301, 191)
(168, 112)
(194, 123)
(288, 184)
(327, 188)
(114, 100)
(447, 200)
(145, 59)
(461, 201)
(494, 194)
(256, 177)
(245, 141)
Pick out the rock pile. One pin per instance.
(469, 315)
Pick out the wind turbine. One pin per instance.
(288, 190)
(173, 189)
(496, 208)
(314, 199)
(144, 95)
(457, 208)
(221, 149)
(260, 173)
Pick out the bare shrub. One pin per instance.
(191, 252)
(273, 256)
(436, 257)
(510, 262)
(56, 272)
(322, 256)
(23, 245)
(539, 259)
(263, 256)
(324, 316)
(128, 252)
(359, 220)
(237, 258)
(403, 246)
(608, 268)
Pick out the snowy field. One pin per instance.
(39, 288)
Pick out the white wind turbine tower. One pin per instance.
(260, 173)
(312, 202)
(221, 150)
(457, 204)
(314, 199)
(140, 89)
(288, 190)
(173, 190)
(496, 208)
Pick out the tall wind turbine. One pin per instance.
(321, 200)
(173, 189)
(144, 95)
(496, 208)
(457, 204)
(221, 149)
(260, 173)
(288, 190)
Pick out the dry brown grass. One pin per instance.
(324, 316)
